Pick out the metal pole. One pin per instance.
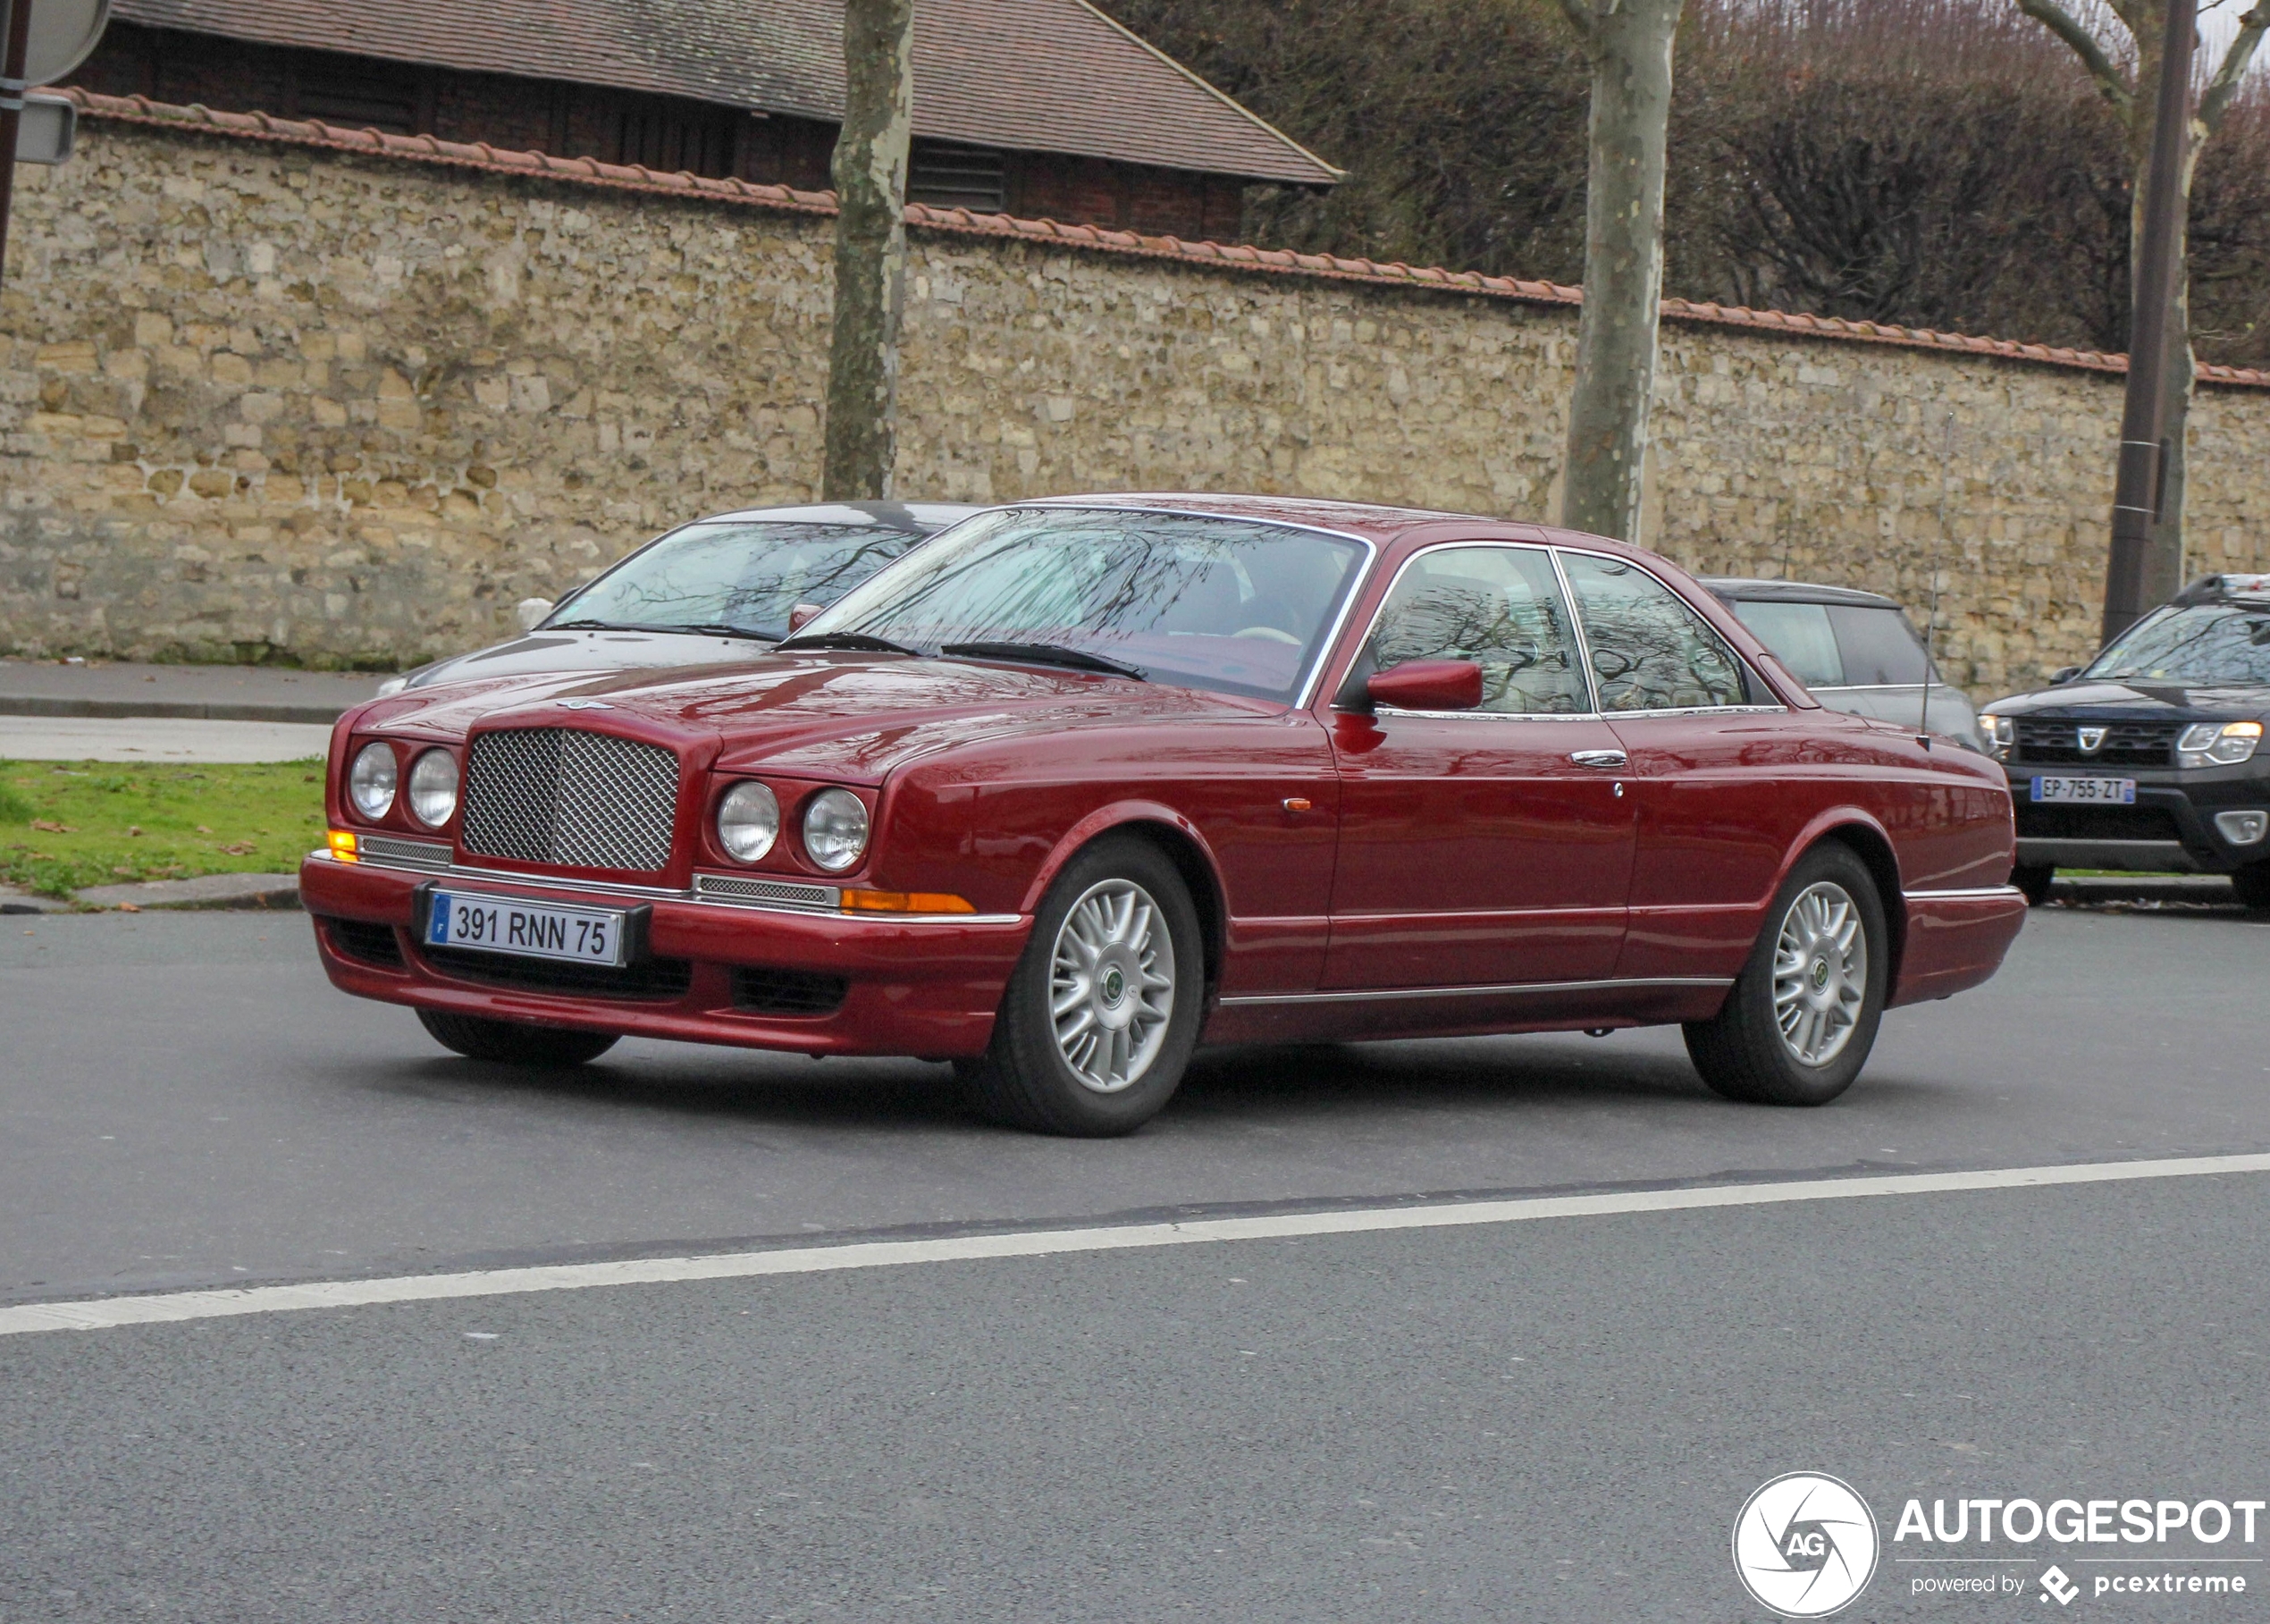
(2137, 488)
(15, 31)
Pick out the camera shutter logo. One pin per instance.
(1804, 1545)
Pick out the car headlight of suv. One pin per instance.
(2001, 733)
(370, 781)
(748, 821)
(2218, 744)
(836, 829)
(433, 787)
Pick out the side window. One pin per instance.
(1879, 646)
(1499, 606)
(1650, 651)
(1800, 634)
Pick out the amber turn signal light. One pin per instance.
(342, 844)
(904, 901)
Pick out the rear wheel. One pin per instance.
(2033, 878)
(1102, 1013)
(2252, 884)
(1798, 1024)
(513, 1042)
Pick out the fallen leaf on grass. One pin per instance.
(129, 907)
(134, 828)
(46, 827)
(242, 848)
(203, 831)
(127, 872)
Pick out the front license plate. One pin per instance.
(2102, 792)
(502, 924)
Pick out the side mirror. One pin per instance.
(2059, 678)
(801, 616)
(531, 612)
(1427, 685)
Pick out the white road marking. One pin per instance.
(172, 1307)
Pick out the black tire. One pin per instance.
(2252, 885)
(1024, 1079)
(1742, 1053)
(2033, 878)
(512, 1042)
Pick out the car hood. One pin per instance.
(853, 716)
(585, 650)
(2139, 702)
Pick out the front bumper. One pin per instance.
(2170, 830)
(815, 983)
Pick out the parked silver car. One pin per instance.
(1856, 651)
(705, 592)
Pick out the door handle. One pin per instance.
(1598, 758)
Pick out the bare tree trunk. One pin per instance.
(869, 169)
(1629, 42)
(2164, 563)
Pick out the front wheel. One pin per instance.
(1102, 1012)
(513, 1042)
(2252, 885)
(1798, 1024)
(2033, 879)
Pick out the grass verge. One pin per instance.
(67, 824)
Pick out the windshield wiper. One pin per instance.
(1047, 653)
(716, 628)
(592, 626)
(857, 641)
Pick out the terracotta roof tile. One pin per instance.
(1030, 75)
(1282, 262)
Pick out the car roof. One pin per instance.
(1747, 589)
(918, 518)
(2224, 589)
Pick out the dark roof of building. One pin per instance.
(1029, 75)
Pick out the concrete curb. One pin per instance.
(179, 710)
(2200, 890)
(275, 892)
(23, 903)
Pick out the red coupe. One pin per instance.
(1086, 782)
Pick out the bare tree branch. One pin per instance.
(1584, 20)
(2110, 82)
(2224, 86)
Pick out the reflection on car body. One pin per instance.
(1086, 782)
(718, 589)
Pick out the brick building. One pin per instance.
(1039, 108)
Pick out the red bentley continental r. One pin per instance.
(1086, 782)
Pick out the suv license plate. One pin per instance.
(528, 930)
(2101, 792)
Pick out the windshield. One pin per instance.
(1226, 604)
(741, 576)
(2222, 645)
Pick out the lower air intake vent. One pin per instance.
(652, 979)
(364, 942)
(788, 992)
(575, 799)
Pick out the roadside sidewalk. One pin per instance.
(208, 693)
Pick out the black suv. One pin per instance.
(2147, 757)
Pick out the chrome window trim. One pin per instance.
(1304, 691)
(479, 876)
(1576, 612)
(1575, 625)
(1380, 994)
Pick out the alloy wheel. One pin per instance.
(1819, 972)
(1111, 985)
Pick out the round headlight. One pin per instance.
(433, 787)
(370, 782)
(748, 821)
(836, 829)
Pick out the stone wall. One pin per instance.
(262, 401)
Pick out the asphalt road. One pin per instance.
(1555, 1419)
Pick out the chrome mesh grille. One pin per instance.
(579, 800)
